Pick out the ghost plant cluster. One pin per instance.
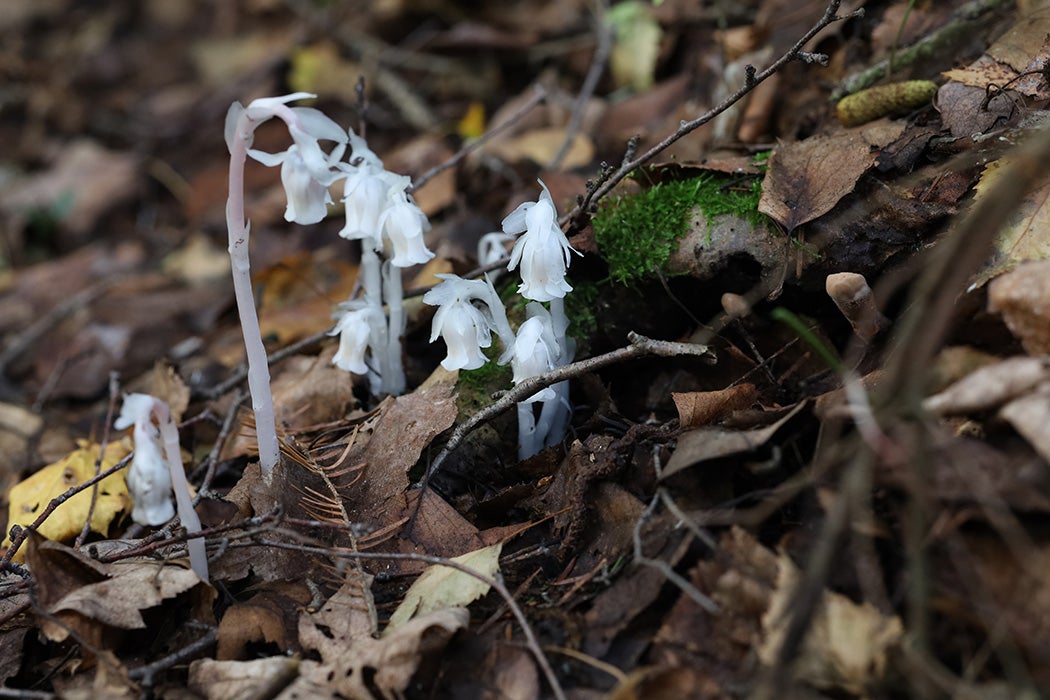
(469, 311)
(381, 214)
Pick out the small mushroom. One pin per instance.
(853, 296)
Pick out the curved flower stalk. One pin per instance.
(150, 478)
(306, 171)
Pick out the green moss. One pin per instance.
(477, 385)
(637, 234)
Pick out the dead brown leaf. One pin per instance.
(270, 615)
(352, 660)
(807, 178)
(1022, 296)
(93, 599)
(704, 444)
(85, 182)
(990, 386)
(698, 408)
(848, 646)
(403, 431)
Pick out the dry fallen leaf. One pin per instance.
(807, 178)
(698, 408)
(848, 645)
(1022, 296)
(352, 661)
(29, 498)
(88, 596)
(441, 587)
(990, 386)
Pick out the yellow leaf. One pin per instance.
(637, 47)
(472, 125)
(30, 497)
(441, 587)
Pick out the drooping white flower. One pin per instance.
(306, 169)
(542, 250)
(364, 191)
(403, 225)
(356, 330)
(535, 350)
(464, 327)
(148, 478)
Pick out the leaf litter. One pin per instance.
(695, 517)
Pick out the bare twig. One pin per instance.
(640, 346)
(663, 567)
(212, 459)
(538, 96)
(241, 373)
(580, 213)
(146, 673)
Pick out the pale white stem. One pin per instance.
(258, 369)
(528, 444)
(372, 277)
(183, 504)
(499, 317)
(394, 382)
(554, 416)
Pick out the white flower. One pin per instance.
(148, 478)
(535, 350)
(542, 250)
(403, 225)
(365, 198)
(306, 169)
(464, 327)
(355, 329)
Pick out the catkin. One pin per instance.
(867, 105)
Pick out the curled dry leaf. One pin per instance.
(698, 408)
(807, 178)
(1022, 296)
(848, 645)
(989, 387)
(352, 661)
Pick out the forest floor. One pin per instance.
(844, 495)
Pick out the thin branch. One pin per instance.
(578, 215)
(146, 673)
(539, 95)
(640, 346)
(241, 373)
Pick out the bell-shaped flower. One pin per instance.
(542, 250)
(364, 198)
(356, 330)
(403, 225)
(464, 327)
(306, 169)
(535, 350)
(148, 478)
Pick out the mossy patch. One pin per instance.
(637, 234)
